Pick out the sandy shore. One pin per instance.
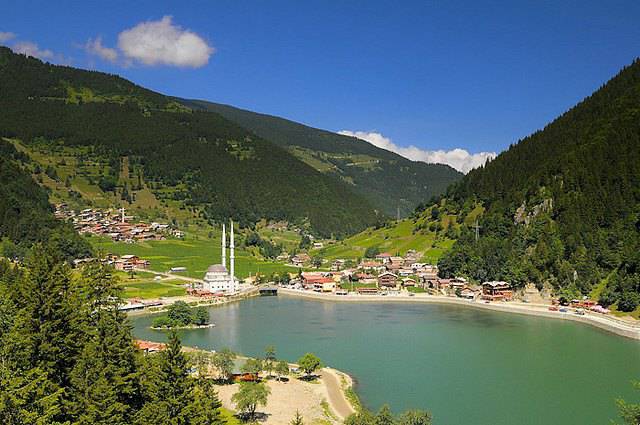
(608, 323)
(318, 402)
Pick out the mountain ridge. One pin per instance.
(208, 162)
(563, 204)
(405, 183)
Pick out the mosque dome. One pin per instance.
(217, 268)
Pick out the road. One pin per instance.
(337, 400)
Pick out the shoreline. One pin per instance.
(616, 326)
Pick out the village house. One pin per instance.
(371, 266)
(300, 260)
(337, 265)
(396, 262)
(114, 224)
(457, 283)
(324, 285)
(149, 347)
(309, 279)
(388, 280)
(469, 293)
(405, 272)
(496, 291)
(411, 256)
(366, 278)
(384, 257)
(407, 281)
(129, 262)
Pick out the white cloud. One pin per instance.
(460, 159)
(163, 43)
(6, 36)
(31, 49)
(95, 47)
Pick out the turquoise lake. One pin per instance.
(466, 366)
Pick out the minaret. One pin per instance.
(224, 246)
(233, 258)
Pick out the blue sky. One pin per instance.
(433, 75)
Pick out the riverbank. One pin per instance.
(607, 323)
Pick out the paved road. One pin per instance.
(337, 400)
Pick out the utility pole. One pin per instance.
(477, 227)
(398, 213)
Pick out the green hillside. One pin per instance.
(26, 217)
(389, 181)
(430, 232)
(563, 205)
(199, 158)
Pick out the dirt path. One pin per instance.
(337, 400)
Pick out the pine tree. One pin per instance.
(297, 419)
(384, 416)
(105, 387)
(169, 387)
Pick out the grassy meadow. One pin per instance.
(398, 238)
(196, 253)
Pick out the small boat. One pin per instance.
(270, 291)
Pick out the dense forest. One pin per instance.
(562, 206)
(67, 355)
(229, 171)
(387, 180)
(25, 214)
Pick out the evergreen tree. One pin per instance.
(297, 419)
(170, 389)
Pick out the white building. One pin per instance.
(217, 279)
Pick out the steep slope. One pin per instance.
(389, 181)
(26, 216)
(563, 205)
(210, 162)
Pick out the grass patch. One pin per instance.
(416, 289)
(152, 289)
(229, 417)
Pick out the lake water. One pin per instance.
(467, 366)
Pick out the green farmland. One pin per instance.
(194, 254)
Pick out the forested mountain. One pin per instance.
(562, 206)
(25, 214)
(388, 180)
(219, 167)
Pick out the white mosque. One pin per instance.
(217, 279)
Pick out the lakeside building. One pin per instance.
(388, 280)
(217, 279)
(496, 290)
